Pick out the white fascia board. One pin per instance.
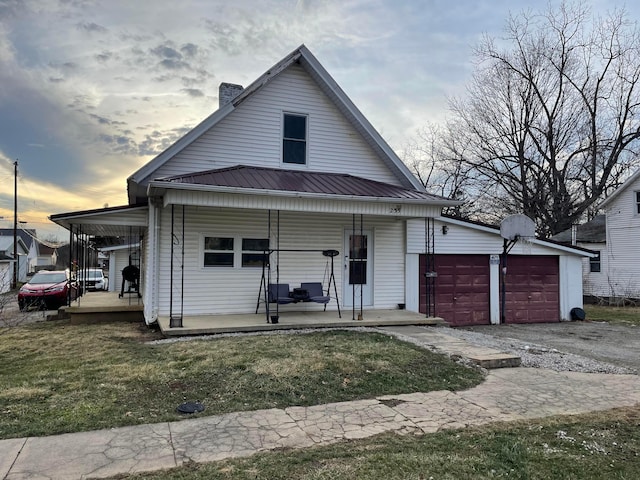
(536, 241)
(159, 188)
(119, 247)
(620, 189)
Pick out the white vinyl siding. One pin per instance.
(235, 290)
(252, 134)
(464, 240)
(623, 247)
(595, 283)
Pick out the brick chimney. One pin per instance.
(227, 92)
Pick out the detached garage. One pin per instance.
(542, 282)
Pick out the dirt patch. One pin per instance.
(615, 344)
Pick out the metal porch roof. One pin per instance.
(298, 181)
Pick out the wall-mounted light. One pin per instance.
(445, 229)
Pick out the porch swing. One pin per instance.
(281, 293)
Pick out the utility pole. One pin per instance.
(16, 260)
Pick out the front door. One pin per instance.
(358, 268)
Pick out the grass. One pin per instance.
(614, 315)
(593, 446)
(58, 377)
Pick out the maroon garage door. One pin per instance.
(461, 289)
(533, 291)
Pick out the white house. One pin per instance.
(288, 166)
(6, 252)
(621, 267)
(592, 236)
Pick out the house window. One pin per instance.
(253, 251)
(638, 202)
(294, 142)
(594, 264)
(218, 251)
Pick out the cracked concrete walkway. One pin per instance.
(506, 394)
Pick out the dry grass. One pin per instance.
(66, 378)
(613, 315)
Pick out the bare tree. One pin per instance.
(551, 121)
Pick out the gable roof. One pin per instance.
(320, 183)
(6, 244)
(327, 84)
(622, 188)
(26, 234)
(593, 231)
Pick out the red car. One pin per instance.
(47, 289)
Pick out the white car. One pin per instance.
(95, 279)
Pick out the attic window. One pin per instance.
(637, 203)
(294, 141)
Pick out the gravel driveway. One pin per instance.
(614, 344)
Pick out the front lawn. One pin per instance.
(57, 377)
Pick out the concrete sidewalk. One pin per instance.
(506, 394)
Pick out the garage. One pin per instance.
(462, 289)
(532, 289)
(543, 278)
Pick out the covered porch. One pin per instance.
(212, 324)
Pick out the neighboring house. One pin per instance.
(6, 272)
(47, 257)
(288, 165)
(622, 210)
(591, 235)
(28, 237)
(6, 250)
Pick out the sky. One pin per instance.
(91, 90)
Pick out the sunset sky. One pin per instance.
(90, 90)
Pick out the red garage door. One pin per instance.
(533, 291)
(461, 289)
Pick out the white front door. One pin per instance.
(358, 268)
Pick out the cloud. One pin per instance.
(91, 27)
(193, 92)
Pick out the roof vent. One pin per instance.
(227, 92)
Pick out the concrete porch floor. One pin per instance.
(104, 306)
(210, 324)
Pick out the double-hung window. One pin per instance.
(294, 140)
(254, 251)
(218, 251)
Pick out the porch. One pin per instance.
(105, 306)
(211, 324)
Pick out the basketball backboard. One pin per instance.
(517, 226)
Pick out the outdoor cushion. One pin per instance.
(315, 292)
(279, 293)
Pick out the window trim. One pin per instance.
(593, 261)
(284, 139)
(205, 250)
(237, 251)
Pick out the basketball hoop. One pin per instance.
(517, 227)
(514, 229)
